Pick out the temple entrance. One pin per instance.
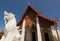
(28, 36)
(33, 36)
(31, 33)
(46, 37)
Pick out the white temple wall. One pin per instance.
(58, 34)
(54, 33)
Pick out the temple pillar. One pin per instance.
(55, 33)
(38, 30)
(23, 30)
(58, 34)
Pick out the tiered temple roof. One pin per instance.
(38, 13)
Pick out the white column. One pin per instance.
(58, 34)
(23, 30)
(54, 33)
(38, 30)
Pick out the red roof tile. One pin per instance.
(38, 13)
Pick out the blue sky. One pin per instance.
(49, 8)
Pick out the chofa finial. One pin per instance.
(56, 20)
(28, 2)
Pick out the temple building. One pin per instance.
(38, 27)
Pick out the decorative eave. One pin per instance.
(38, 13)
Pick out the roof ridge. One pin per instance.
(37, 12)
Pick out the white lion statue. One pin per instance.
(11, 30)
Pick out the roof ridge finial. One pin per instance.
(28, 2)
(56, 20)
